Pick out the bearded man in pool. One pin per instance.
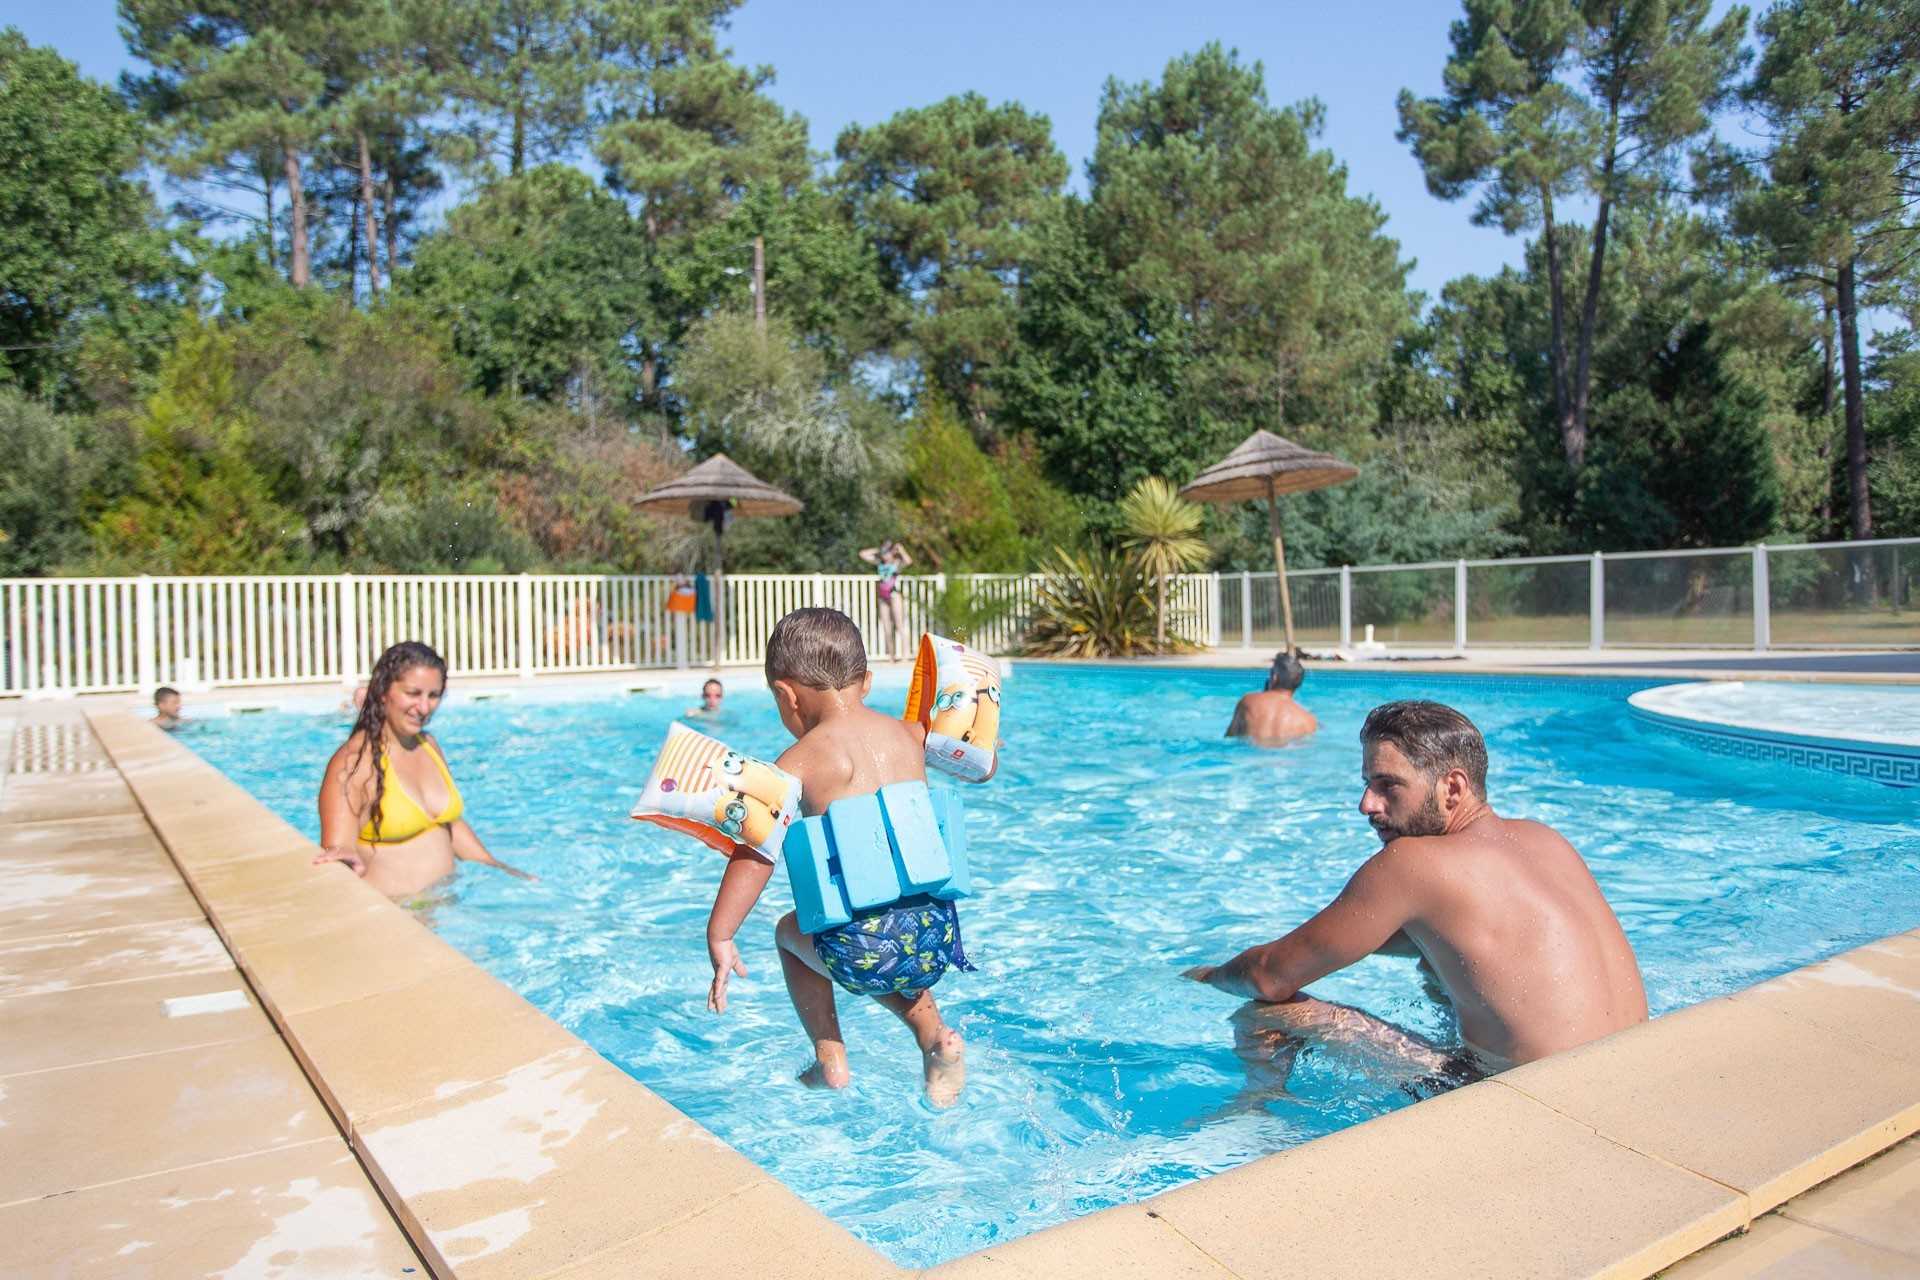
(1502, 912)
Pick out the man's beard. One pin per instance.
(1429, 821)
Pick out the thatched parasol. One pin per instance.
(716, 491)
(1265, 465)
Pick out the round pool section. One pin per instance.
(1864, 731)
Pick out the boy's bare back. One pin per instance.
(854, 755)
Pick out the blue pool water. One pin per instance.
(1122, 841)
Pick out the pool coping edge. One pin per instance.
(1225, 1198)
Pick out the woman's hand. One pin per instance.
(344, 854)
(726, 962)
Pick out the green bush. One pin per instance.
(1094, 603)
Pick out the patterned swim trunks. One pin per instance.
(903, 947)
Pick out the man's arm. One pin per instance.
(1368, 912)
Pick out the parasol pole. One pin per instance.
(1280, 563)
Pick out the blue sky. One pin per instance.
(840, 62)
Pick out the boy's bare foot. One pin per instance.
(822, 1076)
(946, 1068)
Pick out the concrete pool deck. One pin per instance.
(502, 1145)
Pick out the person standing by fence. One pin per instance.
(889, 560)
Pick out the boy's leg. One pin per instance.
(942, 1051)
(811, 991)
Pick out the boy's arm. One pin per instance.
(746, 877)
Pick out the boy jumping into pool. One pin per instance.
(817, 670)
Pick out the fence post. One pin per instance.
(819, 597)
(1246, 609)
(1459, 604)
(146, 637)
(523, 599)
(1213, 618)
(349, 614)
(1597, 603)
(1762, 600)
(1346, 606)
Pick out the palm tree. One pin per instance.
(1164, 530)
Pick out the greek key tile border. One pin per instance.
(1873, 766)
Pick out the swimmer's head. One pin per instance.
(1286, 673)
(710, 695)
(1422, 763)
(166, 701)
(812, 653)
(816, 648)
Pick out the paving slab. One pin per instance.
(759, 1232)
(1777, 1249)
(126, 953)
(1877, 1202)
(99, 1123)
(1126, 1243)
(1685, 1089)
(45, 894)
(54, 797)
(547, 1166)
(152, 1015)
(305, 1212)
(1481, 1181)
(1870, 994)
(365, 1055)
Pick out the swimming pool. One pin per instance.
(1122, 841)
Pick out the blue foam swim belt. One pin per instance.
(867, 851)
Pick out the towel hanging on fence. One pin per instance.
(702, 599)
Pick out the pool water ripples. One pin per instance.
(1123, 841)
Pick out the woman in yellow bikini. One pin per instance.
(388, 807)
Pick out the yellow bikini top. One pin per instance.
(401, 817)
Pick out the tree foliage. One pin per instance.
(80, 244)
(1547, 99)
(949, 195)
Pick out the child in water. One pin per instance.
(817, 669)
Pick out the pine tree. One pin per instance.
(1832, 199)
(1547, 99)
(950, 195)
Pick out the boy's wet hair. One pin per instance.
(818, 648)
(1432, 736)
(1287, 672)
(164, 691)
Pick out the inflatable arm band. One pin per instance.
(867, 851)
(719, 796)
(956, 693)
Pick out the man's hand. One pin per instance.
(726, 962)
(345, 854)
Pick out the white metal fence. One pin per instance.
(73, 635)
(82, 635)
(1833, 595)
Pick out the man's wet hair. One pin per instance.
(1287, 672)
(818, 648)
(1432, 736)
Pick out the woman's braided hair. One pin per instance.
(372, 720)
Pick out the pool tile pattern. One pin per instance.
(1858, 730)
